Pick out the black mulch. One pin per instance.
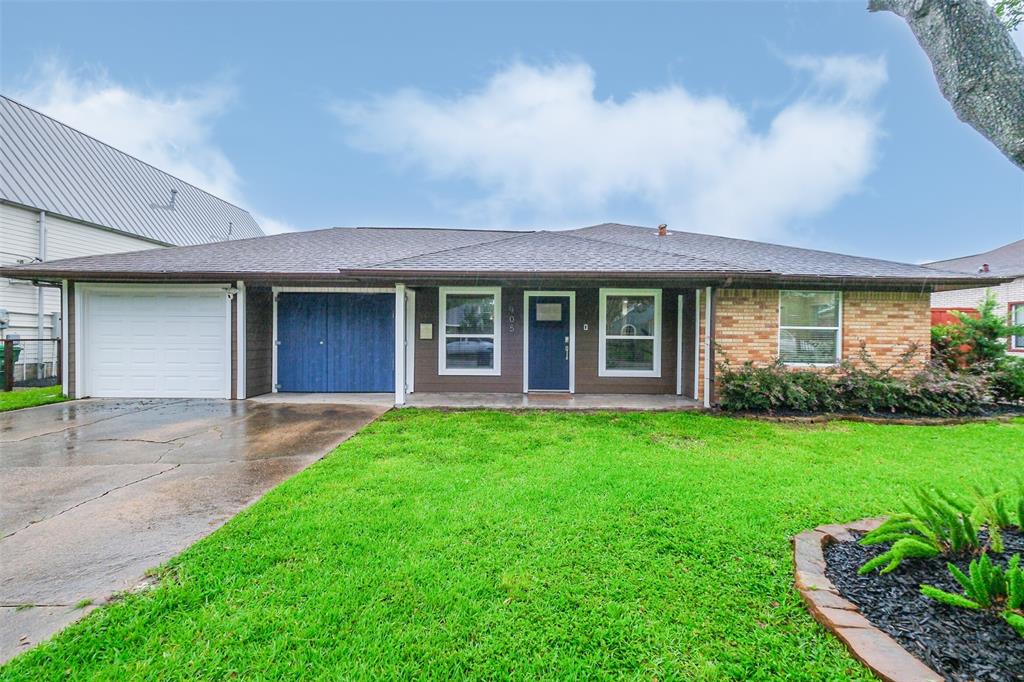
(960, 644)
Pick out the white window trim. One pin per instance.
(571, 295)
(838, 329)
(442, 332)
(602, 369)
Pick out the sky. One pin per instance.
(813, 124)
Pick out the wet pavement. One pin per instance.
(94, 492)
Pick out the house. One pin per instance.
(1006, 261)
(65, 194)
(607, 309)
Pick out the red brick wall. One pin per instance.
(747, 325)
(888, 322)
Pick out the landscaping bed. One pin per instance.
(960, 644)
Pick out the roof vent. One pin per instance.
(983, 268)
(663, 230)
(174, 198)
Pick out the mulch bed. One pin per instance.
(960, 644)
(993, 413)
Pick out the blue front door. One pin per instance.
(549, 343)
(339, 343)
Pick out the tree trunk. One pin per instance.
(979, 69)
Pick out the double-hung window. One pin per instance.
(1017, 319)
(630, 333)
(469, 333)
(809, 327)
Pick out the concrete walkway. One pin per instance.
(94, 492)
(494, 401)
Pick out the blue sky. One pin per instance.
(815, 124)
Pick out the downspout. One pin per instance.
(40, 298)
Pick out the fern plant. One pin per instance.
(987, 587)
(993, 509)
(935, 524)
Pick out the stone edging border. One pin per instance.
(878, 651)
(867, 419)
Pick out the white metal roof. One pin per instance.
(47, 165)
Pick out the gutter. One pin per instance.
(723, 278)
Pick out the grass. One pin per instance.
(29, 397)
(527, 545)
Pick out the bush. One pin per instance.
(931, 391)
(974, 341)
(773, 388)
(937, 390)
(1006, 377)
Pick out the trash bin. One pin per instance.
(3, 358)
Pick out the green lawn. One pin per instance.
(526, 545)
(29, 397)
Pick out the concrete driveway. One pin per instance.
(94, 492)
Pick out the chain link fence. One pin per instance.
(30, 362)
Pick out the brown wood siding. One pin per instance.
(587, 380)
(689, 321)
(259, 340)
(511, 379)
(70, 341)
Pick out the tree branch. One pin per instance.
(979, 69)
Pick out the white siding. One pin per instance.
(19, 243)
(971, 298)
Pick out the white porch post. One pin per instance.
(399, 344)
(707, 347)
(240, 360)
(65, 341)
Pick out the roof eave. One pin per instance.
(731, 278)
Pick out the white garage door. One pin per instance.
(155, 342)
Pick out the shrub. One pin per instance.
(865, 387)
(987, 587)
(1006, 377)
(974, 341)
(937, 390)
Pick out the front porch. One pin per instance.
(496, 401)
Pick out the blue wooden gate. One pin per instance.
(549, 343)
(302, 342)
(336, 342)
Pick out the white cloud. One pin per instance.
(171, 131)
(539, 144)
(859, 78)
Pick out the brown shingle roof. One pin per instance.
(593, 252)
(782, 260)
(1006, 260)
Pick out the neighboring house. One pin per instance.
(65, 194)
(1005, 261)
(609, 309)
